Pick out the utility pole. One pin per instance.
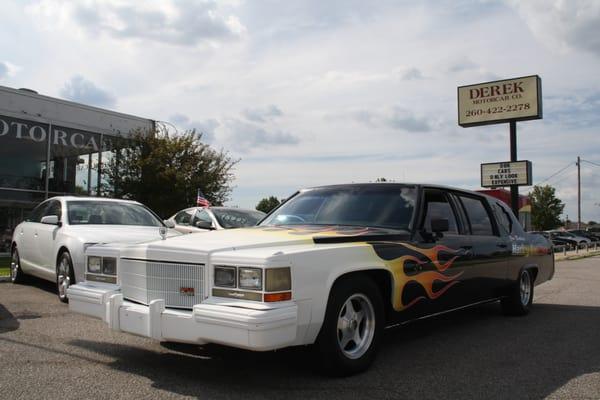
(514, 189)
(578, 192)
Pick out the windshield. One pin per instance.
(237, 218)
(110, 213)
(385, 206)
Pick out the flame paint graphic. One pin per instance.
(424, 278)
(330, 230)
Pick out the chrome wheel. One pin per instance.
(525, 288)
(356, 326)
(63, 277)
(14, 267)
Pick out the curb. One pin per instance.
(4, 278)
(579, 256)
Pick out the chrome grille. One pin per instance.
(144, 281)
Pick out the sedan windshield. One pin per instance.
(110, 213)
(385, 206)
(237, 218)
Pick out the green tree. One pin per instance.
(164, 171)
(267, 204)
(546, 208)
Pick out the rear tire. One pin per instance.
(16, 273)
(520, 298)
(351, 332)
(64, 276)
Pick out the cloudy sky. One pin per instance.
(317, 92)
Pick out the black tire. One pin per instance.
(64, 275)
(520, 298)
(16, 273)
(363, 295)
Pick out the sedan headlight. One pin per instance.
(94, 264)
(250, 278)
(225, 276)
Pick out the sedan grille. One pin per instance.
(180, 285)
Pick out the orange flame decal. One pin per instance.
(425, 279)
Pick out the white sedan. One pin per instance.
(199, 219)
(50, 244)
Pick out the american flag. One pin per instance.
(201, 200)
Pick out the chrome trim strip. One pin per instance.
(442, 313)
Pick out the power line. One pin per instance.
(556, 173)
(590, 162)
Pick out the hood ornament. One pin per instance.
(162, 231)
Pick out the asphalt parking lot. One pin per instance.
(48, 352)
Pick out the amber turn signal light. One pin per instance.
(271, 297)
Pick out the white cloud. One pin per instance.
(84, 91)
(178, 22)
(563, 24)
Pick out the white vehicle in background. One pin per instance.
(199, 219)
(50, 244)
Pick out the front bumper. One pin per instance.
(255, 327)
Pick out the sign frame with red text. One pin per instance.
(516, 99)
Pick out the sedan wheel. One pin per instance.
(16, 274)
(64, 276)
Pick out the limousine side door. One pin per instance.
(485, 275)
(436, 284)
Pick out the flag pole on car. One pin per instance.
(201, 200)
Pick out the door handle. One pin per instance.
(501, 245)
(467, 250)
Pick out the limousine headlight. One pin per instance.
(250, 278)
(94, 264)
(109, 266)
(225, 276)
(278, 279)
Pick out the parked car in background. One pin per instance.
(200, 219)
(50, 244)
(333, 266)
(584, 234)
(557, 243)
(579, 240)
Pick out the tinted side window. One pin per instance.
(36, 214)
(479, 219)
(503, 219)
(184, 217)
(53, 209)
(437, 206)
(201, 215)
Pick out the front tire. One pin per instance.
(64, 276)
(520, 298)
(16, 273)
(351, 332)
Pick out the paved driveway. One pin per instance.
(48, 352)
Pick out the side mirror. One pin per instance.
(50, 220)
(440, 225)
(168, 223)
(204, 225)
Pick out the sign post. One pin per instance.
(508, 100)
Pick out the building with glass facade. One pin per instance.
(51, 147)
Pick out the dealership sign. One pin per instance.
(500, 101)
(61, 136)
(506, 174)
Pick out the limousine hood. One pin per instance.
(260, 237)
